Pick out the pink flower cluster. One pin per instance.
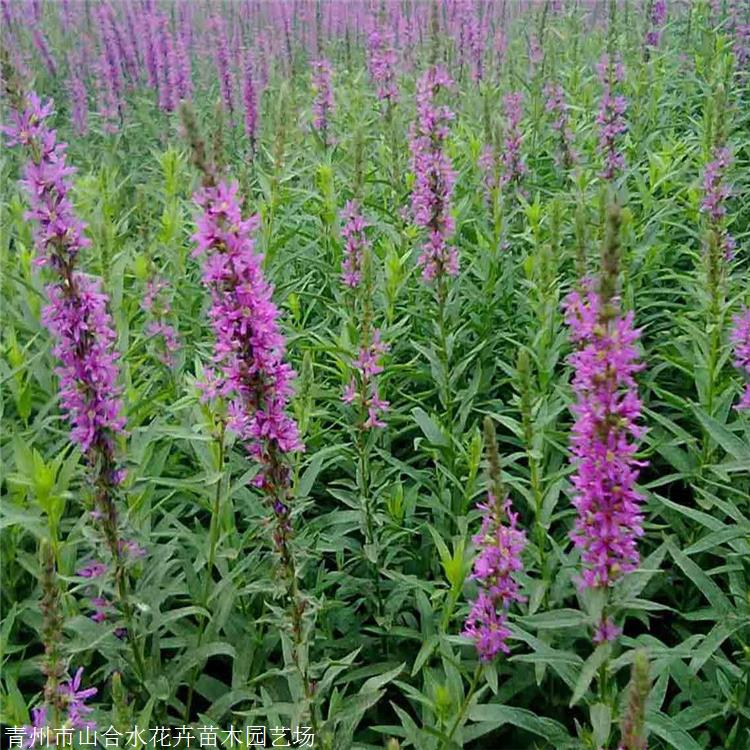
(382, 60)
(249, 348)
(322, 107)
(558, 108)
(434, 176)
(355, 242)
(604, 436)
(514, 167)
(740, 338)
(363, 387)
(500, 545)
(76, 313)
(715, 194)
(611, 117)
(657, 18)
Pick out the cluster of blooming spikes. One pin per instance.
(76, 313)
(740, 338)
(558, 108)
(73, 703)
(657, 18)
(604, 437)
(514, 167)
(249, 348)
(355, 243)
(382, 61)
(322, 106)
(715, 194)
(500, 544)
(434, 176)
(363, 387)
(158, 329)
(611, 117)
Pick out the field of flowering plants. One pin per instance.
(375, 374)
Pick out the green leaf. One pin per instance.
(727, 440)
(551, 730)
(703, 583)
(671, 732)
(430, 428)
(590, 666)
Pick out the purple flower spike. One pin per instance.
(249, 350)
(514, 167)
(604, 436)
(500, 543)
(382, 61)
(434, 176)
(322, 107)
(716, 192)
(355, 243)
(740, 338)
(611, 117)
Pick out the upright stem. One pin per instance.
(464, 705)
(213, 537)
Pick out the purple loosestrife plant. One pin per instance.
(322, 106)
(355, 242)
(434, 177)
(382, 60)
(740, 338)
(223, 68)
(77, 317)
(604, 439)
(716, 192)
(499, 545)
(249, 355)
(514, 167)
(611, 117)
(249, 345)
(557, 107)
(657, 18)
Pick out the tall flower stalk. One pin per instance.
(322, 106)
(77, 317)
(252, 375)
(606, 431)
(431, 197)
(611, 117)
(362, 391)
(740, 338)
(499, 544)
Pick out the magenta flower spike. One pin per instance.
(434, 176)
(557, 107)
(657, 18)
(382, 60)
(611, 117)
(740, 338)
(499, 544)
(249, 351)
(604, 438)
(716, 192)
(514, 167)
(323, 103)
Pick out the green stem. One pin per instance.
(464, 706)
(213, 538)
